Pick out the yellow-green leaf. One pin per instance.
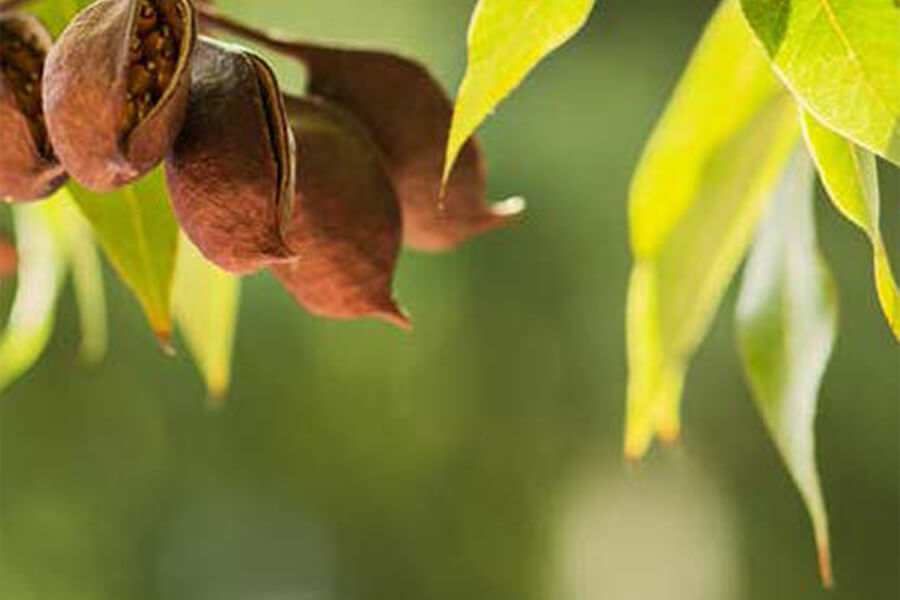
(41, 272)
(841, 58)
(695, 199)
(849, 174)
(786, 325)
(138, 232)
(206, 301)
(507, 39)
(725, 84)
(87, 280)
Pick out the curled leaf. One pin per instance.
(346, 228)
(116, 87)
(786, 323)
(29, 169)
(231, 171)
(850, 176)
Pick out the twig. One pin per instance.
(211, 17)
(10, 5)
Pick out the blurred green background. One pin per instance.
(479, 456)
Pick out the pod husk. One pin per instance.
(86, 86)
(231, 172)
(29, 169)
(346, 228)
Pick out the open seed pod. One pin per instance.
(28, 168)
(346, 226)
(115, 88)
(409, 116)
(231, 171)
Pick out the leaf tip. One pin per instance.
(825, 568)
(164, 338)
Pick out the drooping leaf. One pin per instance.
(345, 230)
(849, 174)
(136, 229)
(205, 302)
(841, 58)
(696, 197)
(786, 324)
(41, 271)
(408, 115)
(507, 39)
(87, 279)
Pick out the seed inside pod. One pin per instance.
(28, 167)
(158, 34)
(22, 63)
(231, 171)
(116, 86)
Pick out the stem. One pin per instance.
(10, 5)
(214, 19)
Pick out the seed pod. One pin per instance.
(409, 116)
(116, 86)
(231, 171)
(346, 226)
(28, 168)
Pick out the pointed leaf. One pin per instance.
(507, 39)
(695, 200)
(205, 303)
(786, 323)
(41, 273)
(849, 174)
(842, 61)
(135, 227)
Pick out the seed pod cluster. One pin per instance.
(322, 191)
(116, 87)
(29, 169)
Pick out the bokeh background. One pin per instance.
(479, 456)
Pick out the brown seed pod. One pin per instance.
(346, 227)
(28, 168)
(116, 86)
(409, 116)
(231, 171)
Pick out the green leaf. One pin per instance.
(138, 232)
(41, 273)
(726, 70)
(849, 174)
(507, 39)
(87, 279)
(206, 301)
(841, 58)
(695, 200)
(786, 325)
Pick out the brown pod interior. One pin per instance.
(28, 167)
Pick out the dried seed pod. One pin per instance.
(28, 168)
(346, 226)
(231, 171)
(116, 86)
(409, 116)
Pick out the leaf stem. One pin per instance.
(10, 5)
